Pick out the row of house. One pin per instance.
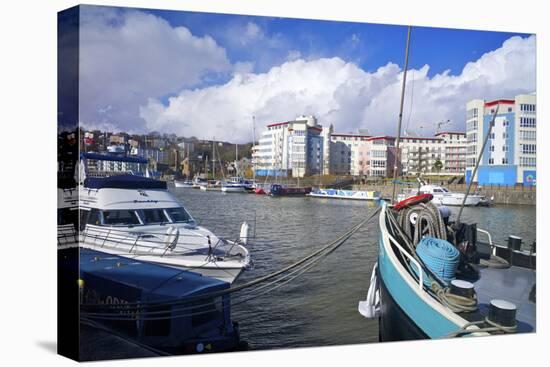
(302, 147)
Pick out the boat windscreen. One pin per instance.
(153, 216)
(120, 218)
(178, 215)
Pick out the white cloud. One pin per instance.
(293, 55)
(341, 93)
(128, 56)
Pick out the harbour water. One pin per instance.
(319, 307)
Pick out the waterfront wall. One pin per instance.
(516, 195)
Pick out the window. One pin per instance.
(94, 217)
(504, 160)
(505, 148)
(178, 215)
(528, 107)
(492, 148)
(491, 161)
(528, 161)
(120, 218)
(153, 216)
(527, 122)
(528, 148)
(528, 135)
(509, 109)
(504, 135)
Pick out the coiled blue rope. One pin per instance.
(439, 256)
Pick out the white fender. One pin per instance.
(370, 308)
(244, 233)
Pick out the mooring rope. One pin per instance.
(320, 254)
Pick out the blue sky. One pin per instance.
(196, 74)
(377, 44)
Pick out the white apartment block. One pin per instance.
(420, 154)
(301, 148)
(292, 148)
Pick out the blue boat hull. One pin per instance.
(394, 324)
(415, 308)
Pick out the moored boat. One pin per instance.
(157, 306)
(280, 190)
(442, 196)
(474, 295)
(345, 194)
(435, 279)
(137, 217)
(183, 184)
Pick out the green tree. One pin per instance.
(438, 166)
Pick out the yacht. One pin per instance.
(442, 196)
(137, 217)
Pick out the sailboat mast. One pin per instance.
(253, 144)
(398, 139)
(213, 159)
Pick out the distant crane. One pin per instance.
(441, 123)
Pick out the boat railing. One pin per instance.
(412, 260)
(488, 236)
(66, 233)
(149, 241)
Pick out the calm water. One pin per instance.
(319, 307)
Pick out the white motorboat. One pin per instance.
(236, 184)
(211, 186)
(233, 187)
(137, 217)
(67, 216)
(345, 194)
(183, 184)
(442, 196)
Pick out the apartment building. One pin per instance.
(509, 157)
(290, 149)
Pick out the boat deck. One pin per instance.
(513, 284)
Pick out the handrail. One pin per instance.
(408, 256)
(125, 240)
(488, 236)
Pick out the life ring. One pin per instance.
(413, 200)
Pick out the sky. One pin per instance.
(207, 75)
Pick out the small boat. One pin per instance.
(156, 312)
(198, 182)
(260, 191)
(211, 186)
(442, 196)
(137, 217)
(183, 184)
(344, 194)
(235, 184)
(280, 190)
